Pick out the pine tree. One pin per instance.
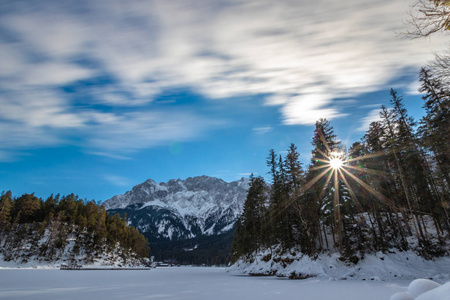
(434, 131)
(435, 126)
(294, 169)
(6, 205)
(380, 163)
(275, 207)
(279, 202)
(324, 143)
(293, 190)
(251, 230)
(27, 206)
(417, 173)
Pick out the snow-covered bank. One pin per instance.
(380, 266)
(106, 260)
(27, 247)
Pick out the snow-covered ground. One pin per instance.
(424, 289)
(183, 283)
(379, 266)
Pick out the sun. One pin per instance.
(336, 161)
(336, 167)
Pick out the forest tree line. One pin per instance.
(62, 216)
(391, 192)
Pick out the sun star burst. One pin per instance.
(336, 161)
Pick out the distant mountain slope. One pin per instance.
(186, 221)
(182, 209)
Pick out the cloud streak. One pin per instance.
(373, 116)
(301, 55)
(117, 180)
(127, 132)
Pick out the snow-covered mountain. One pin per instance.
(182, 209)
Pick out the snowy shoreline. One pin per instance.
(379, 266)
(36, 263)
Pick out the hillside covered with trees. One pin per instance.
(390, 191)
(66, 230)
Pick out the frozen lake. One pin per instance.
(181, 283)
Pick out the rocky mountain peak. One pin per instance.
(187, 208)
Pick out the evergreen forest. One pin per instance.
(390, 191)
(30, 226)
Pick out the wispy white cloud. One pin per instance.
(117, 180)
(413, 88)
(262, 130)
(307, 109)
(373, 116)
(127, 132)
(378, 105)
(301, 54)
(16, 137)
(110, 155)
(247, 174)
(39, 109)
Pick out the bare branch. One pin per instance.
(440, 67)
(428, 17)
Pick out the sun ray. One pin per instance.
(322, 160)
(315, 179)
(334, 167)
(382, 198)
(323, 153)
(326, 185)
(366, 156)
(322, 137)
(352, 194)
(336, 204)
(319, 167)
(371, 171)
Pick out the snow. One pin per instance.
(379, 266)
(182, 283)
(155, 203)
(402, 296)
(227, 228)
(440, 293)
(101, 259)
(420, 286)
(424, 289)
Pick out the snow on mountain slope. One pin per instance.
(182, 209)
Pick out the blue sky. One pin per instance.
(98, 96)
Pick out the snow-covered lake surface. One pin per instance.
(182, 283)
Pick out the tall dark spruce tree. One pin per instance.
(324, 143)
(434, 134)
(278, 215)
(382, 208)
(251, 231)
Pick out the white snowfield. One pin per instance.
(394, 267)
(193, 283)
(181, 283)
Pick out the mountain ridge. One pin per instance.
(182, 209)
